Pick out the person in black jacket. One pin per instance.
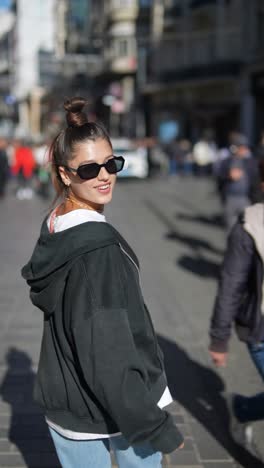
(101, 378)
(240, 301)
(237, 179)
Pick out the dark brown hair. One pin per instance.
(78, 130)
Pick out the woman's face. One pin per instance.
(98, 191)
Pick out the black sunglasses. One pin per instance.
(91, 170)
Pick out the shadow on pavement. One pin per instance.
(193, 242)
(199, 390)
(27, 429)
(213, 220)
(200, 266)
(173, 234)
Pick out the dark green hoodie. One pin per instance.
(100, 369)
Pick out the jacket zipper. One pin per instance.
(131, 259)
(146, 309)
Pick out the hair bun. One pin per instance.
(75, 115)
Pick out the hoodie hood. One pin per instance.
(254, 225)
(54, 255)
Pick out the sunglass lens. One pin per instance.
(119, 163)
(111, 166)
(115, 164)
(88, 171)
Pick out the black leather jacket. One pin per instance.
(239, 293)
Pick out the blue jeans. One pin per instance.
(249, 409)
(96, 453)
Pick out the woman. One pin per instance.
(101, 377)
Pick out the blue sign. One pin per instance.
(5, 4)
(10, 99)
(168, 131)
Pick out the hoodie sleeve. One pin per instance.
(109, 359)
(232, 285)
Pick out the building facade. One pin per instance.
(34, 30)
(76, 63)
(56, 52)
(198, 63)
(7, 101)
(203, 56)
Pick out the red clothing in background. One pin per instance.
(24, 162)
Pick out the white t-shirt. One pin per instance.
(60, 223)
(73, 218)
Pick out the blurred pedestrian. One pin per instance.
(204, 154)
(23, 168)
(100, 377)
(238, 180)
(4, 167)
(185, 157)
(158, 161)
(42, 169)
(239, 301)
(171, 150)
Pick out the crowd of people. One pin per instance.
(236, 168)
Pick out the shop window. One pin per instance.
(123, 48)
(145, 3)
(116, 4)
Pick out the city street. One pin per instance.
(175, 228)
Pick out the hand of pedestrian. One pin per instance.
(180, 446)
(236, 174)
(219, 359)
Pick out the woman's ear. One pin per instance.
(64, 176)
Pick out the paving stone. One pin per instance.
(26, 445)
(220, 464)
(175, 408)
(7, 446)
(178, 419)
(209, 448)
(24, 432)
(184, 429)
(168, 465)
(184, 457)
(30, 461)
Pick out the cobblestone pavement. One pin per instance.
(174, 227)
